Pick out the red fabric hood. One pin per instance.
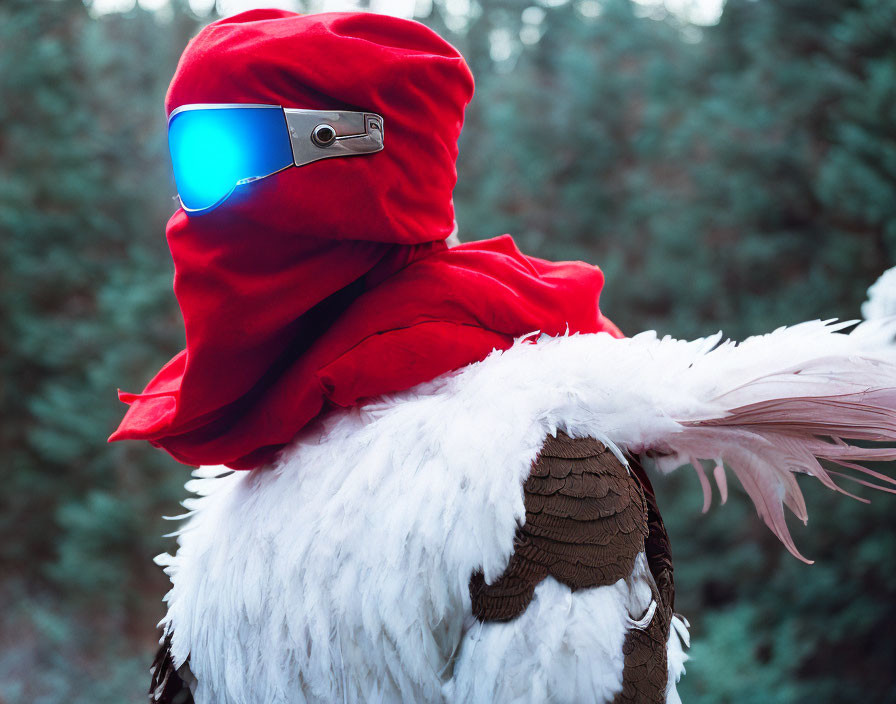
(330, 283)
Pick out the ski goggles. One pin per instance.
(217, 147)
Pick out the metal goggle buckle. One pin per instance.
(216, 147)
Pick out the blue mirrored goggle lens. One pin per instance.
(213, 149)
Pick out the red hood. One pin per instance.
(330, 283)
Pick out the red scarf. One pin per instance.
(330, 283)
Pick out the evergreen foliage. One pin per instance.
(85, 306)
(738, 176)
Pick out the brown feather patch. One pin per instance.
(657, 547)
(644, 675)
(586, 522)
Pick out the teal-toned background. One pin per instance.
(737, 174)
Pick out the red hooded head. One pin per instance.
(328, 283)
(397, 68)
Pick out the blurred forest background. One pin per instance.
(737, 174)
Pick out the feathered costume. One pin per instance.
(445, 500)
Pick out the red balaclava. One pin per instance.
(330, 283)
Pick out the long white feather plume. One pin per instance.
(778, 405)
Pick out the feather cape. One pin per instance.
(341, 571)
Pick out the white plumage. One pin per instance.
(341, 573)
(881, 301)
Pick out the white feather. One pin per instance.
(566, 646)
(679, 639)
(881, 301)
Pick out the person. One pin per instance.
(438, 493)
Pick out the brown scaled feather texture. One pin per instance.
(586, 522)
(657, 547)
(644, 674)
